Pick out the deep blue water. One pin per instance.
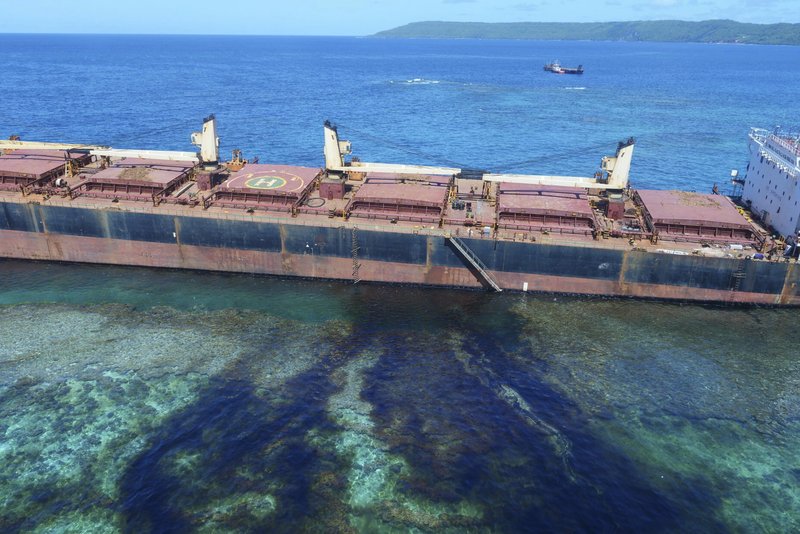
(143, 400)
(481, 104)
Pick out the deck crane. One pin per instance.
(614, 175)
(206, 140)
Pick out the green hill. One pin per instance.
(707, 31)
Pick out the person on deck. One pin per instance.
(796, 251)
(791, 245)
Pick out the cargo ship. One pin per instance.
(376, 222)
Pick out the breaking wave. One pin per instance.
(416, 81)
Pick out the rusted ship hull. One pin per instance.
(360, 221)
(354, 252)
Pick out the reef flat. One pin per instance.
(125, 406)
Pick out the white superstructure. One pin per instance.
(772, 184)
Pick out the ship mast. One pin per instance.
(614, 175)
(335, 150)
(206, 140)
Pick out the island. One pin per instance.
(707, 31)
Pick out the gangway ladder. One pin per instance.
(475, 262)
(356, 264)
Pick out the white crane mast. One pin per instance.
(207, 140)
(616, 168)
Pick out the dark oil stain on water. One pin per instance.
(153, 400)
(156, 400)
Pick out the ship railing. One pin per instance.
(176, 210)
(163, 194)
(790, 145)
(180, 201)
(547, 228)
(650, 225)
(780, 163)
(786, 140)
(759, 134)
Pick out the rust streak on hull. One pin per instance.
(622, 285)
(27, 245)
(789, 291)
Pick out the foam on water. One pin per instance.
(421, 81)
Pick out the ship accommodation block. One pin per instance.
(772, 184)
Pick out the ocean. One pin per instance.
(144, 400)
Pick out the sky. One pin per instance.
(354, 17)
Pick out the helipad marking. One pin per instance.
(266, 182)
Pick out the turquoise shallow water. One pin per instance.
(152, 400)
(125, 405)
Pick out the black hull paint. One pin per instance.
(589, 264)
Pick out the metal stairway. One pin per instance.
(474, 262)
(355, 249)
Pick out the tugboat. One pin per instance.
(556, 68)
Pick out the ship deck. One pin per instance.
(34, 163)
(23, 168)
(430, 205)
(536, 207)
(681, 213)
